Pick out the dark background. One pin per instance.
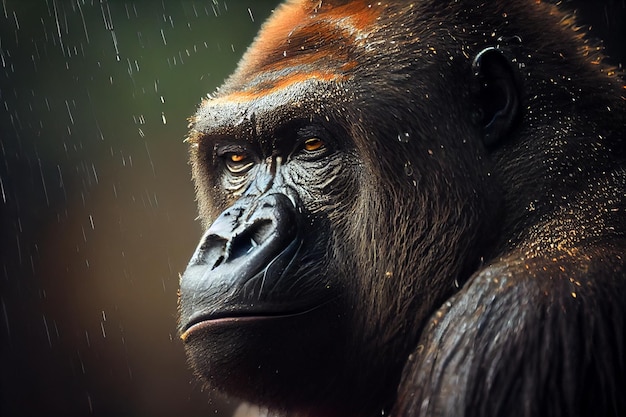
(96, 197)
(96, 202)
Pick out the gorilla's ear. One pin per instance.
(498, 94)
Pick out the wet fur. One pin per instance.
(480, 281)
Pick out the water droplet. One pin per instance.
(404, 137)
(408, 169)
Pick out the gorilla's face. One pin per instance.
(267, 253)
(337, 211)
(260, 299)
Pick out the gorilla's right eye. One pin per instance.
(236, 158)
(238, 162)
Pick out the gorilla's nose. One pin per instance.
(245, 240)
(252, 230)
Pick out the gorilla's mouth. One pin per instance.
(206, 321)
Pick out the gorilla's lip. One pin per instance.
(200, 321)
(205, 322)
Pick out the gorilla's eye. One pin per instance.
(313, 144)
(237, 157)
(238, 162)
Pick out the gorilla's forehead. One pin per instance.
(246, 114)
(304, 39)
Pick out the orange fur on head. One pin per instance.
(304, 39)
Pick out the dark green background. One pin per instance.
(96, 201)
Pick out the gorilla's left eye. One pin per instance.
(314, 144)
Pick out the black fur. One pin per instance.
(460, 241)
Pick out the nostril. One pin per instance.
(212, 242)
(218, 262)
(253, 236)
(212, 251)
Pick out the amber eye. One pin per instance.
(237, 157)
(238, 163)
(313, 144)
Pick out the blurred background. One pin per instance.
(96, 202)
(96, 197)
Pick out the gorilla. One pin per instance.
(413, 208)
